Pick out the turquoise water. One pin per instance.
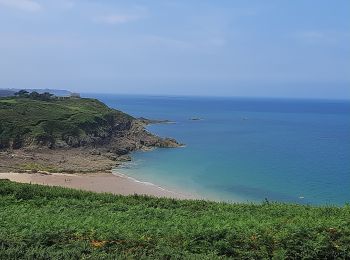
(246, 149)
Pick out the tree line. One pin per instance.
(34, 95)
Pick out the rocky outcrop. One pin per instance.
(100, 153)
(118, 135)
(136, 137)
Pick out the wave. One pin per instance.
(143, 182)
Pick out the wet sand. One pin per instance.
(96, 182)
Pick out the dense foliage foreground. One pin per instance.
(39, 222)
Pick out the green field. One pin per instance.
(72, 121)
(39, 222)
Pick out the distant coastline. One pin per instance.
(9, 92)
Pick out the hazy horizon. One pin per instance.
(199, 95)
(283, 49)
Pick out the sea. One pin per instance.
(245, 149)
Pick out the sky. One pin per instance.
(270, 48)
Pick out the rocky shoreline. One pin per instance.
(85, 159)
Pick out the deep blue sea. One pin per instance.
(246, 149)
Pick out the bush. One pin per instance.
(49, 222)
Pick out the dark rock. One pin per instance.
(196, 118)
(154, 121)
(124, 158)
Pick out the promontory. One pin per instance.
(41, 132)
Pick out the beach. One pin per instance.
(96, 182)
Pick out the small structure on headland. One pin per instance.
(71, 95)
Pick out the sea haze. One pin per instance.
(246, 149)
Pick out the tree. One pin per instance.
(34, 95)
(22, 93)
(46, 96)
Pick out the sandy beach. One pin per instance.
(97, 182)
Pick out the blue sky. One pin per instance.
(276, 48)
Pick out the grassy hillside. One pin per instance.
(40, 222)
(71, 122)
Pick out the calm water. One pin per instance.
(246, 149)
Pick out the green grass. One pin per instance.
(8, 101)
(39, 222)
(36, 167)
(25, 121)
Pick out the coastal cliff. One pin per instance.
(69, 134)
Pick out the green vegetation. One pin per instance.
(36, 167)
(46, 96)
(40, 119)
(39, 222)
